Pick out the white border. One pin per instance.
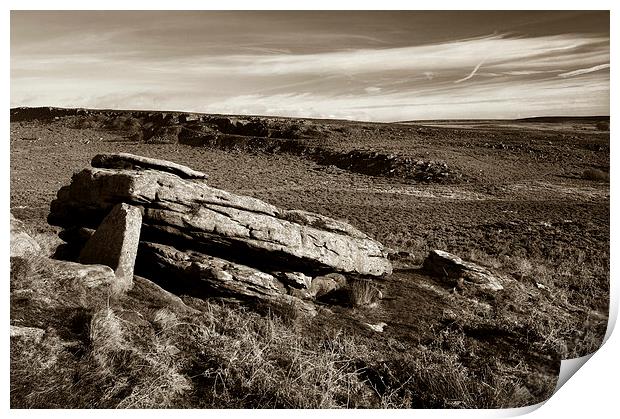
(592, 392)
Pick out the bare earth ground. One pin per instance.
(520, 205)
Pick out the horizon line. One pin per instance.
(312, 118)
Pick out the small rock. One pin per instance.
(325, 284)
(376, 327)
(460, 273)
(32, 334)
(295, 279)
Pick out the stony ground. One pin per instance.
(520, 205)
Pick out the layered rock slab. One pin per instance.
(182, 210)
(214, 276)
(132, 161)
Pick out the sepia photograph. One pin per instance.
(306, 209)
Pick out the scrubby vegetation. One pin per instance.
(226, 357)
(595, 174)
(572, 279)
(602, 125)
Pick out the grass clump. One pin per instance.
(136, 368)
(362, 293)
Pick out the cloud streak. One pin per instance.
(581, 71)
(476, 68)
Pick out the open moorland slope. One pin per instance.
(528, 200)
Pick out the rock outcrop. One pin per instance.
(230, 244)
(177, 209)
(38, 281)
(460, 273)
(115, 244)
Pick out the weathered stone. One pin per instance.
(301, 294)
(21, 242)
(48, 241)
(115, 244)
(50, 283)
(376, 327)
(55, 295)
(294, 279)
(217, 277)
(131, 161)
(462, 273)
(74, 239)
(325, 284)
(29, 334)
(241, 226)
(147, 293)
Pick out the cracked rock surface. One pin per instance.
(176, 209)
(237, 244)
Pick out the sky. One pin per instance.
(373, 66)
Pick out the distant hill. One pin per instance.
(565, 119)
(556, 119)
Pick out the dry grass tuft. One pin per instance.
(362, 293)
(136, 361)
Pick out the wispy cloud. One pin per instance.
(372, 89)
(470, 75)
(584, 71)
(482, 100)
(316, 72)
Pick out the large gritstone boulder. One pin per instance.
(227, 244)
(240, 227)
